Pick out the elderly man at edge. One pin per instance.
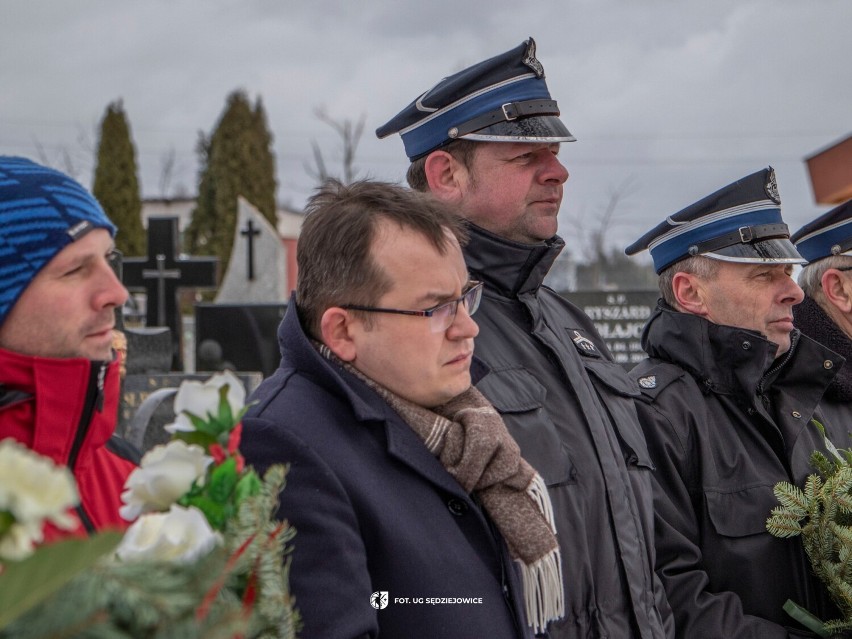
(826, 312)
(728, 394)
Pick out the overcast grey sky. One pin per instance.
(669, 99)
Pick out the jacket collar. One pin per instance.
(45, 403)
(736, 361)
(509, 267)
(812, 320)
(298, 352)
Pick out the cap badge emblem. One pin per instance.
(530, 59)
(771, 187)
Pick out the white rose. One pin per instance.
(165, 474)
(20, 540)
(202, 399)
(33, 488)
(181, 535)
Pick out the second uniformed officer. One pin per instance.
(485, 140)
(727, 400)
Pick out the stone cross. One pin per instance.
(162, 274)
(250, 232)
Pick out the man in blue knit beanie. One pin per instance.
(59, 377)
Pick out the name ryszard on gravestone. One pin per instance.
(620, 318)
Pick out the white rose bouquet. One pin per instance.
(204, 556)
(33, 492)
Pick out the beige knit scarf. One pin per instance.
(470, 439)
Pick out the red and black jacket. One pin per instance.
(66, 409)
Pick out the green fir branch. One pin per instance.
(821, 514)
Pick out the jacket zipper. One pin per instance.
(94, 399)
(794, 340)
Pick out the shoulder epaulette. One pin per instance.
(652, 377)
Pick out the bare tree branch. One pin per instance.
(350, 135)
(42, 156)
(68, 164)
(167, 171)
(320, 173)
(592, 238)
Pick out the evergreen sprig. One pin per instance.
(821, 514)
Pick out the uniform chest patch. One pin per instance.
(584, 344)
(649, 381)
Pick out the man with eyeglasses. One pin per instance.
(486, 141)
(416, 516)
(826, 312)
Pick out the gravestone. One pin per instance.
(240, 329)
(257, 272)
(148, 387)
(162, 274)
(620, 318)
(242, 335)
(149, 348)
(147, 404)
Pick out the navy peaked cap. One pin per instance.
(829, 234)
(503, 99)
(738, 223)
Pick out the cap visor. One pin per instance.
(541, 128)
(777, 251)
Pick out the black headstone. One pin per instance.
(162, 274)
(242, 336)
(149, 350)
(620, 318)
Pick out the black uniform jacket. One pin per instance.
(836, 404)
(571, 410)
(725, 422)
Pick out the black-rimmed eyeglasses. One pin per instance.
(441, 317)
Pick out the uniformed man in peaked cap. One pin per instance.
(727, 398)
(826, 312)
(486, 140)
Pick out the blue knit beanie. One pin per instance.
(41, 212)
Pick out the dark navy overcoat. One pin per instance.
(374, 512)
